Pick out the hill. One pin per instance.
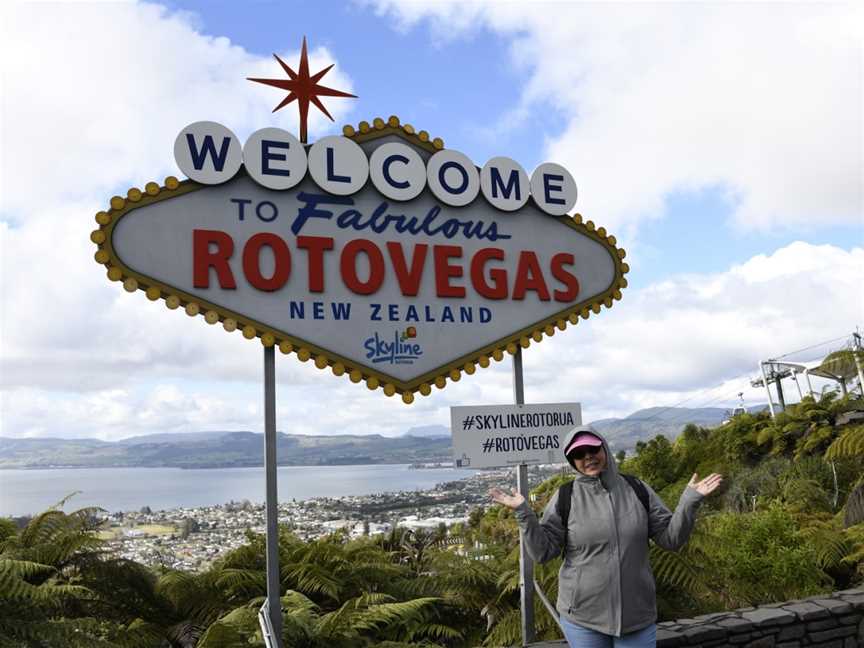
(427, 443)
(219, 449)
(429, 431)
(644, 424)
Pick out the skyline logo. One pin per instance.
(395, 349)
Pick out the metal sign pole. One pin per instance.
(526, 565)
(273, 603)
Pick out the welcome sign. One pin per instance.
(378, 254)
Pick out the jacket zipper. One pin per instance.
(616, 623)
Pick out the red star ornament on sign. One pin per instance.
(304, 88)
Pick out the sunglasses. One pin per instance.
(583, 451)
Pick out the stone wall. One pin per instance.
(827, 621)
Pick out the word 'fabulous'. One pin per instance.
(210, 153)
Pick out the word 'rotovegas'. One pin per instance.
(210, 153)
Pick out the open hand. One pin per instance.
(510, 501)
(707, 485)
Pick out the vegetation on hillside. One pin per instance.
(787, 524)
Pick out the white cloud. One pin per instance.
(691, 337)
(763, 101)
(95, 93)
(693, 333)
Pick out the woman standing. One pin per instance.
(606, 593)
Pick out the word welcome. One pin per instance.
(210, 153)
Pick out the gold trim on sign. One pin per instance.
(250, 328)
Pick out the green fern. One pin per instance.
(830, 547)
(848, 444)
(672, 568)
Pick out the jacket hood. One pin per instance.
(610, 475)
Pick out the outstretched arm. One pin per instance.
(672, 530)
(544, 538)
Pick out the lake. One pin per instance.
(25, 492)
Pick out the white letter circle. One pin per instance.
(338, 165)
(505, 184)
(208, 152)
(274, 158)
(553, 188)
(453, 178)
(397, 171)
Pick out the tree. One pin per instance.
(655, 462)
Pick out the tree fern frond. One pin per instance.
(765, 435)
(673, 569)
(176, 585)
(62, 502)
(23, 568)
(337, 623)
(848, 444)
(386, 614)
(368, 599)
(241, 581)
(297, 601)
(225, 635)
(439, 631)
(830, 547)
(312, 578)
(13, 585)
(43, 527)
(139, 634)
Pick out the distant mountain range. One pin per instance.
(623, 434)
(428, 443)
(429, 431)
(219, 449)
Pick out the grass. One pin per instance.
(115, 533)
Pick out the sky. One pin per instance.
(721, 143)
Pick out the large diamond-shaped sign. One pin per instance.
(404, 294)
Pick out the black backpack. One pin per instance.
(565, 493)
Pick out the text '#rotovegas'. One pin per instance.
(364, 264)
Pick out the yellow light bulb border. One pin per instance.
(324, 359)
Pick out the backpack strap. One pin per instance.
(562, 508)
(640, 490)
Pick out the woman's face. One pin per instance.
(592, 463)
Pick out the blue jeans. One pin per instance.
(579, 637)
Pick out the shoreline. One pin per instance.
(26, 493)
(413, 465)
(30, 492)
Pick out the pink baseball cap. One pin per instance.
(583, 439)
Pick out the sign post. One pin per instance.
(526, 565)
(273, 602)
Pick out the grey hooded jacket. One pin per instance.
(605, 582)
